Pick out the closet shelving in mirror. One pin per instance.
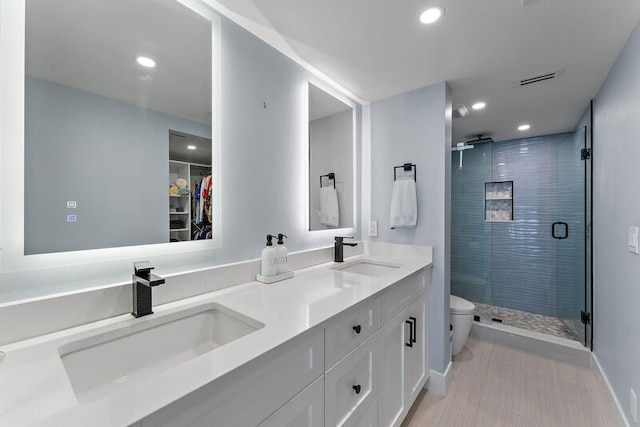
(189, 207)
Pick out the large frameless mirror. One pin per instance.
(113, 90)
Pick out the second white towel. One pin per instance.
(404, 204)
(329, 211)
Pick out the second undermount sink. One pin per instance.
(102, 363)
(368, 267)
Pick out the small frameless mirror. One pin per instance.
(331, 185)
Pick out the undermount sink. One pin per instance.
(102, 363)
(368, 267)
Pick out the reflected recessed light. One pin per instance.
(431, 15)
(479, 105)
(146, 62)
(524, 127)
(191, 147)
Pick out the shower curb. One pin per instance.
(536, 343)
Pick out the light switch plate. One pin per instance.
(634, 247)
(373, 228)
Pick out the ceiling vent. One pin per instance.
(527, 81)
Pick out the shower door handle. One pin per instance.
(560, 236)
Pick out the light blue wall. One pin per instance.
(111, 157)
(616, 158)
(415, 127)
(517, 264)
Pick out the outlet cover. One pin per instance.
(373, 228)
(633, 406)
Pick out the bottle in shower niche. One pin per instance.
(269, 264)
(282, 253)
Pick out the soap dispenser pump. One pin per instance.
(282, 253)
(269, 264)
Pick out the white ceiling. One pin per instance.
(377, 48)
(373, 48)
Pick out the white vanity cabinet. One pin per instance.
(403, 346)
(362, 368)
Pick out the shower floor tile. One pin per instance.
(528, 321)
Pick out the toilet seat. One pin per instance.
(460, 305)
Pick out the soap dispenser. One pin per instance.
(282, 253)
(269, 265)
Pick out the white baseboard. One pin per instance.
(612, 394)
(439, 383)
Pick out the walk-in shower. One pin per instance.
(520, 216)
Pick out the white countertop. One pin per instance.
(35, 389)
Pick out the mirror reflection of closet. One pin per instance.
(331, 185)
(190, 187)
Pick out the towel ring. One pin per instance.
(330, 176)
(407, 167)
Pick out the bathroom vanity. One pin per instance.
(339, 344)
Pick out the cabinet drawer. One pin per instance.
(398, 296)
(351, 385)
(249, 394)
(306, 409)
(348, 330)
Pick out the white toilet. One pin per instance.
(461, 319)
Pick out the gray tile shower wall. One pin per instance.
(517, 264)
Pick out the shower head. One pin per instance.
(480, 140)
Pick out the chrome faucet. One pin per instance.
(142, 282)
(338, 248)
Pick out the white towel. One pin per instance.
(329, 213)
(404, 204)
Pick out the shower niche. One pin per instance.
(498, 201)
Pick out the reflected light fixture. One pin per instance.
(146, 61)
(479, 105)
(431, 15)
(191, 147)
(524, 127)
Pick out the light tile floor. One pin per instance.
(497, 386)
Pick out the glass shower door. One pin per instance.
(569, 232)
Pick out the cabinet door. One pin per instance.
(391, 377)
(306, 409)
(416, 355)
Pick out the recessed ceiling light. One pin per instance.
(191, 147)
(431, 15)
(524, 127)
(146, 62)
(479, 105)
